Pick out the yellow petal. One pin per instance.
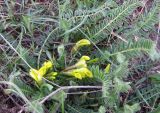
(81, 73)
(85, 58)
(82, 62)
(107, 69)
(88, 73)
(83, 42)
(48, 64)
(35, 75)
(42, 71)
(78, 75)
(80, 43)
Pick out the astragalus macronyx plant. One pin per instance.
(80, 56)
(111, 80)
(79, 70)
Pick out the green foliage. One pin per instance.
(26, 89)
(131, 109)
(98, 73)
(145, 22)
(121, 86)
(115, 18)
(113, 85)
(146, 95)
(27, 23)
(77, 109)
(155, 78)
(133, 49)
(101, 109)
(32, 33)
(37, 106)
(121, 70)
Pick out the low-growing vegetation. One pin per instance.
(79, 56)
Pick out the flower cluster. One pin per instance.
(80, 69)
(37, 75)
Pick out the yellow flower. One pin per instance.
(83, 42)
(80, 43)
(79, 70)
(48, 64)
(37, 75)
(82, 62)
(46, 67)
(85, 58)
(81, 73)
(107, 69)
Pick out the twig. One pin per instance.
(51, 82)
(118, 36)
(68, 87)
(158, 31)
(86, 92)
